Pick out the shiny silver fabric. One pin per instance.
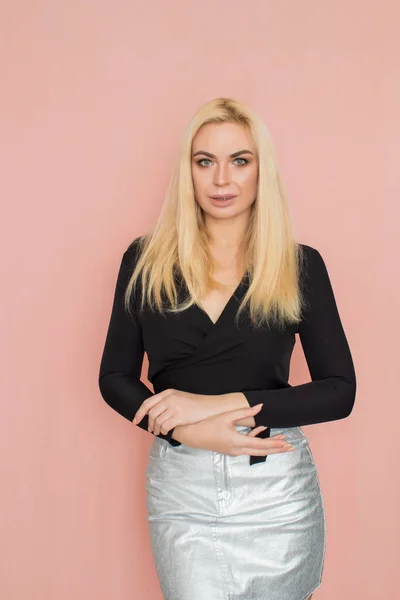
(221, 529)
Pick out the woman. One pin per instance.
(215, 295)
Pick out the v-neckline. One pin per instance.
(213, 324)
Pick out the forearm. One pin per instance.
(233, 401)
(218, 404)
(221, 403)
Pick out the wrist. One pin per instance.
(234, 401)
(179, 433)
(214, 405)
(230, 401)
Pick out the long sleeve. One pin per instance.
(331, 393)
(122, 359)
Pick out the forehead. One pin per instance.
(222, 138)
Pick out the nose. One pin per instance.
(221, 174)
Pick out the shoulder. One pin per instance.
(129, 259)
(134, 246)
(132, 252)
(310, 252)
(310, 255)
(311, 264)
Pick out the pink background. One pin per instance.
(94, 99)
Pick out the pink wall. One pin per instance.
(94, 98)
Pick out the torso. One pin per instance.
(229, 274)
(215, 301)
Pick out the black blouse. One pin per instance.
(188, 352)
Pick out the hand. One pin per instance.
(219, 434)
(171, 408)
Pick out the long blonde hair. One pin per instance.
(179, 240)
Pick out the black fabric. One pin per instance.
(187, 351)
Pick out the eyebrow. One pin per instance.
(234, 155)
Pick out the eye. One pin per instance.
(245, 161)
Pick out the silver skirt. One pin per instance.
(221, 529)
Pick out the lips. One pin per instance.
(222, 200)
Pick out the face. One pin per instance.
(224, 161)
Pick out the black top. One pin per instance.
(188, 352)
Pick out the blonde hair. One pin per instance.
(179, 241)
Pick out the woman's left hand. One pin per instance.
(170, 408)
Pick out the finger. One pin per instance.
(160, 420)
(265, 451)
(256, 443)
(166, 426)
(242, 413)
(146, 406)
(155, 413)
(277, 436)
(264, 444)
(256, 431)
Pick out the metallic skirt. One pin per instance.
(222, 529)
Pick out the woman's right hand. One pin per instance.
(219, 434)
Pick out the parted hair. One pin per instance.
(178, 244)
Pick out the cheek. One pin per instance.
(196, 176)
(247, 184)
(250, 177)
(201, 179)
